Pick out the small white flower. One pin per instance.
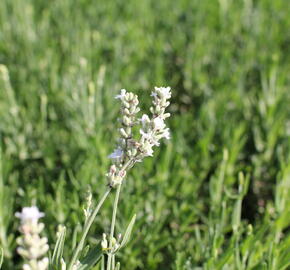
(166, 134)
(153, 94)
(159, 123)
(148, 151)
(149, 137)
(146, 135)
(145, 120)
(121, 95)
(164, 92)
(118, 153)
(29, 214)
(43, 263)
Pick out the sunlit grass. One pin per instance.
(228, 65)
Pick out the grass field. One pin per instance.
(216, 196)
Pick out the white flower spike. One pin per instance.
(129, 149)
(31, 246)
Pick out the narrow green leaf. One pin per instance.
(226, 257)
(285, 262)
(236, 216)
(128, 232)
(284, 256)
(58, 250)
(93, 257)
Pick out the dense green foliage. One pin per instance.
(228, 63)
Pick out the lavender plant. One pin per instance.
(32, 247)
(131, 148)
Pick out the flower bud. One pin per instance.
(123, 133)
(126, 121)
(104, 242)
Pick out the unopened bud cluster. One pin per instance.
(129, 149)
(129, 110)
(32, 247)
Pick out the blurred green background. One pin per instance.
(228, 63)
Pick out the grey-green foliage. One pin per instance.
(228, 62)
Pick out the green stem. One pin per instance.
(113, 225)
(126, 166)
(90, 221)
(88, 225)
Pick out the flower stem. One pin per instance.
(88, 225)
(113, 226)
(126, 166)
